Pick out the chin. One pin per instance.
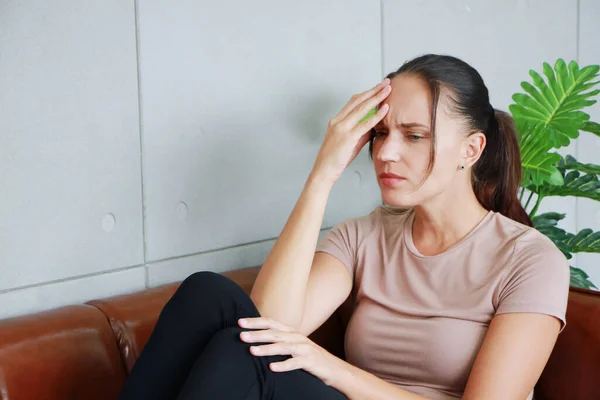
(396, 198)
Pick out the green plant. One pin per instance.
(547, 117)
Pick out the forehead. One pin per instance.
(409, 101)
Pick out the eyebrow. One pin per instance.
(405, 125)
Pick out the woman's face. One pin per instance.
(402, 145)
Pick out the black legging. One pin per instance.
(195, 352)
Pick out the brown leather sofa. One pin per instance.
(86, 351)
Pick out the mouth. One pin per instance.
(390, 180)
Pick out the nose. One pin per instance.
(390, 149)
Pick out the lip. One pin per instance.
(390, 180)
(389, 175)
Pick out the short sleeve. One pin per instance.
(342, 241)
(538, 279)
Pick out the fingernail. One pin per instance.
(242, 322)
(245, 335)
(255, 349)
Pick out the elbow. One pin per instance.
(279, 314)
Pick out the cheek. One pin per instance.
(420, 156)
(445, 164)
(447, 156)
(445, 168)
(413, 158)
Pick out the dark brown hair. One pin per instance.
(496, 177)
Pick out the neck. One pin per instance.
(443, 221)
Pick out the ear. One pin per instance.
(472, 149)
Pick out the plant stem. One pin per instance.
(537, 205)
(528, 200)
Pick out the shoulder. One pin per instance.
(535, 253)
(343, 240)
(535, 258)
(357, 228)
(525, 241)
(531, 246)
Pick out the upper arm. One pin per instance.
(512, 356)
(329, 284)
(529, 317)
(332, 272)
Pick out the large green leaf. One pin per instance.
(546, 224)
(555, 105)
(549, 116)
(575, 184)
(570, 163)
(548, 219)
(586, 241)
(592, 127)
(580, 279)
(539, 166)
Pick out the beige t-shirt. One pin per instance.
(418, 321)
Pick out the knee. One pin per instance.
(208, 285)
(228, 337)
(227, 342)
(206, 280)
(226, 345)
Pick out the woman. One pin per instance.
(454, 294)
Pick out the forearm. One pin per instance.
(357, 384)
(280, 288)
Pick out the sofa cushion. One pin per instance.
(67, 353)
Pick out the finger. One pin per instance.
(254, 323)
(275, 349)
(371, 112)
(362, 109)
(364, 139)
(365, 127)
(270, 336)
(288, 365)
(262, 323)
(359, 98)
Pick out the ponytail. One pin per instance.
(497, 174)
